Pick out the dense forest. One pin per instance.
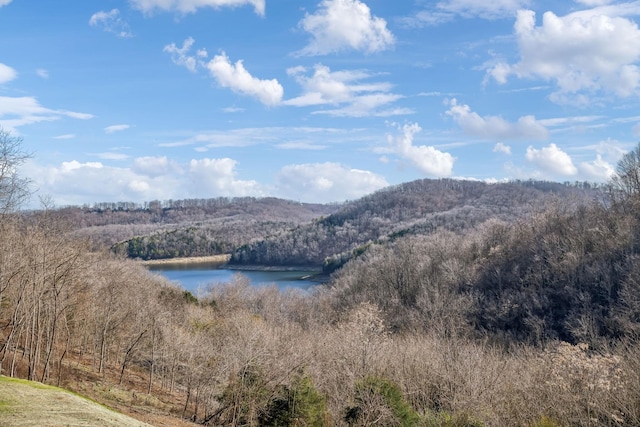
(460, 304)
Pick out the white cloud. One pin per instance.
(74, 165)
(146, 178)
(179, 55)
(552, 159)
(501, 148)
(427, 159)
(232, 110)
(232, 76)
(482, 9)
(112, 156)
(191, 6)
(41, 72)
(76, 183)
(65, 136)
(238, 79)
(20, 111)
(244, 137)
(346, 88)
(446, 11)
(495, 127)
(592, 3)
(7, 73)
(569, 121)
(585, 52)
(300, 145)
(340, 25)
(153, 166)
(326, 182)
(597, 170)
(116, 128)
(4, 2)
(111, 22)
(218, 177)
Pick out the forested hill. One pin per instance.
(271, 231)
(190, 227)
(418, 207)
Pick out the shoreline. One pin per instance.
(211, 259)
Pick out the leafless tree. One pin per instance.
(13, 188)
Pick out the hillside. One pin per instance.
(29, 403)
(270, 231)
(415, 208)
(183, 228)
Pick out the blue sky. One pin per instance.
(316, 101)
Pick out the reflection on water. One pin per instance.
(198, 276)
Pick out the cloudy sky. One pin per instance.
(317, 101)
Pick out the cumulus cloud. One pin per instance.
(153, 166)
(495, 127)
(180, 55)
(326, 182)
(429, 160)
(25, 110)
(145, 178)
(7, 73)
(584, 52)
(228, 75)
(340, 25)
(446, 11)
(191, 6)
(111, 22)
(116, 128)
(597, 170)
(347, 89)
(239, 80)
(501, 148)
(74, 183)
(552, 159)
(219, 177)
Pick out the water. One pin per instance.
(197, 276)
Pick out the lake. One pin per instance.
(194, 276)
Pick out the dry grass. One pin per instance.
(26, 403)
(221, 259)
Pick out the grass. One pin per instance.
(28, 403)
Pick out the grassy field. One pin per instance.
(27, 403)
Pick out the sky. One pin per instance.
(313, 101)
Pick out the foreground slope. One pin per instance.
(27, 403)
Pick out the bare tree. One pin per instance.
(625, 183)
(13, 188)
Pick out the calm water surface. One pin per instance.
(199, 276)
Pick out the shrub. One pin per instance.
(380, 400)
